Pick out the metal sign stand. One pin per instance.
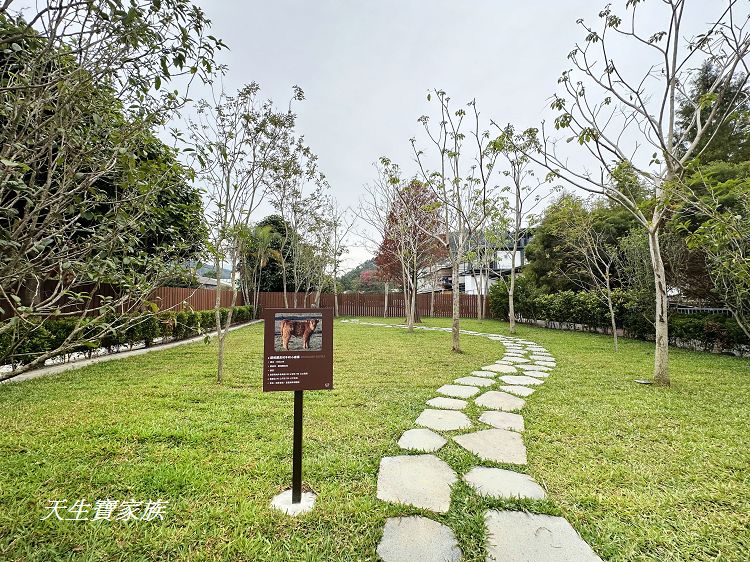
(297, 449)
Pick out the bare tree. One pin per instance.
(458, 172)
(526, 194)
(594, 257)
(236, 143)
(341, 224)
(625, 121)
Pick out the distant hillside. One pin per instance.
(350, 281)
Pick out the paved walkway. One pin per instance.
(419, 478)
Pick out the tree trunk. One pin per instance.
(612, 314)
(217, 318)
(661, 351)
(283, 282)
(456, 294)
(432, 297)
(335, 294)
(385, 299)
(407, 299)
(415, 309)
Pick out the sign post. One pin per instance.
(298, 356)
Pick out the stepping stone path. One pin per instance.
(532, 367)
(406, 539)
(443, 403)
(497, 368)
(497, 400)
(475, 381)
(458, 391)
(419, 480)
(421, 440)
(443, 420)
(518, 390)
(503, 484)
(511, 359)
(499, 445)
(500, 420)
(424, 480)
(520, 379)
(514, 535)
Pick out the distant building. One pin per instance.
(210, 282)
(471, 275)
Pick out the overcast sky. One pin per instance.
(366, 67)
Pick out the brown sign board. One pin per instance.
(298, 349)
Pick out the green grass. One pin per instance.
(644, 473)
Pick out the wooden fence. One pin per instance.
(373, 304)
(177, 298)
(350, 304)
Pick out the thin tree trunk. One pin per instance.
(456, 294)
(612, 313)
(432, 296)
(385, 299)
(661, 351)
(415, 310)
(217, 319)
(407, 299)
(335, 293)
(283, 280)
(512, 290)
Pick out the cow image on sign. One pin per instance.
(298, 356)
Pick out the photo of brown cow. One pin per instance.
(295, 332)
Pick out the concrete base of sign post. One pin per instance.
(283, 502)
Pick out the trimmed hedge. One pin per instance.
(710, 332)
(143, 329)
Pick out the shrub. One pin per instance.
(37, 339)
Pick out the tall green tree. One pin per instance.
(81, 174)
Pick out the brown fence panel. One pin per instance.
(373, 304)
(179, 298)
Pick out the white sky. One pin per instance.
(366, 67)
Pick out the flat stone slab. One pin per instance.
(550, 364)
(536, 374)
(458, 391)
(500, 368)
(499, 445)
(517, 390)
(513, 359)
(475, 381)
(514, 353)
(421, 440)
(443, 403)
(487, 374)
(517, 536)
(406, 539)
(542, 358)
(520, 379)
(497, 400)
(503, 484)
(502, 420)
(533, 367)
(443, 420)
(418, 480)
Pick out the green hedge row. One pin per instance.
(127, 330)
(712, 332)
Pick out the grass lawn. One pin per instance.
(643, 473)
